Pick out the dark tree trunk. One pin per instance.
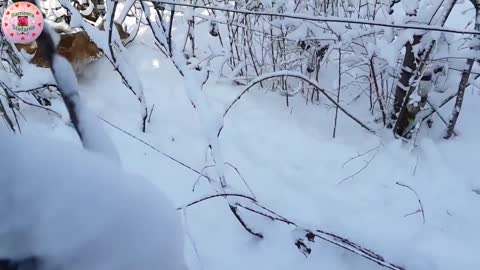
(459, 101)
(404, 86)
(464, 80)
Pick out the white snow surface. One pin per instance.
(93, 135)
(290, 161)
(77, 210)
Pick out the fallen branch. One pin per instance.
(310, 234)
(193, 87)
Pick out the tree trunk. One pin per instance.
(412, 70)
(465, 78)
(404, 86)
(459, 101)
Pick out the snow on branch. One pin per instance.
(253, 206)
(194, 81)
(109, 43)
(302, 77)
(91, 133)
(69, 207)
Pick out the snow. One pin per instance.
(115, 55)
(290, 161)
(79, 210)
(293, 166)
(92, 134)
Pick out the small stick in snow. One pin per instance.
(200, 177)
(377, 148)
(155, 149)
(419, 202)
(243, 179)
(231, 166)
(235, 212)
(6, 117)
(37, 89)
(361, 155)
(216, 196)
(150, 115)
(339, 89)
(233, 209)
(312, 234)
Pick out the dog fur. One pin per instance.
(76, 47)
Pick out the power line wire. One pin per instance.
(325, 19)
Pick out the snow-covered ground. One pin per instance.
(290, 161)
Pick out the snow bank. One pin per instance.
(77, 210)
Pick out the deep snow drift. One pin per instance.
(74, 209)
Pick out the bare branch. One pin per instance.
(419, 202)
(297, 76)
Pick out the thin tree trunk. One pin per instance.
(464, 80)
(404, 85)
(339, 88)
(379, 97)
(413, 67)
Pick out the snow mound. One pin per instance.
(77, 210)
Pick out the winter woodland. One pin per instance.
(250, 134)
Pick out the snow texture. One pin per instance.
(287, 155)
(77, 210)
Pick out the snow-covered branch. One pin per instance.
(300, 76)
(330, 19)
(91, 133)
(109, 43)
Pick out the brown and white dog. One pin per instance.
(76, 47)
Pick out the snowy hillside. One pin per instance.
(413, 202)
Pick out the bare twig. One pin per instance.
(361, 169)
(14, 93)
(419, 201)
(331, 238)
(361, 155)
(243, 179)
(6, 117)
(150, 114)
(235, 212)
(339, 89)
(36, 89)
(216, 196)
(155, 149)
